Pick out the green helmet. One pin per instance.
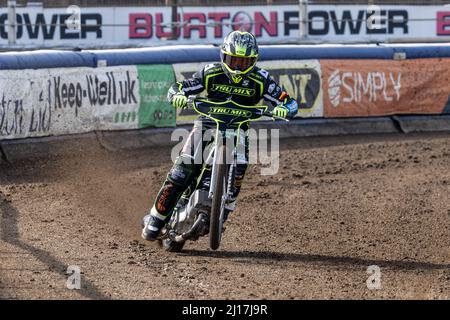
(239, 53)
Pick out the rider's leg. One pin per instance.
(185, 169)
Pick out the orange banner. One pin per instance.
(354, 88)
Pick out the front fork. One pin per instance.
(222, 137)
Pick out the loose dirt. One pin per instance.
(337, 206)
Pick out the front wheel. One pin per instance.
(217, 206)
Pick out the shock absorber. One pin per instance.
(232, 174)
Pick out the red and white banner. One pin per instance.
(150, 26)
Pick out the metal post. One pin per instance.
(174, 20)
(12, 22)
(303, 19)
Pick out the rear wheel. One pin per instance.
(215, 224)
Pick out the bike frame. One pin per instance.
(226, 115)
(224, 118)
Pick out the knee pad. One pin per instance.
(181, 174)
(178, 176)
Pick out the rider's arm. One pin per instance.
(274, 94)
(187, 87)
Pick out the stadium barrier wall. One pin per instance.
(339, 87)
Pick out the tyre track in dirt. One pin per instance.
(337, 206)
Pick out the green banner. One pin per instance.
(154, 82)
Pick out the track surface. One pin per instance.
(337, 206)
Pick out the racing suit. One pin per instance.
(254, 86)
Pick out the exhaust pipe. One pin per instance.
(185, 236)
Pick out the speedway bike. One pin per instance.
(201, 208)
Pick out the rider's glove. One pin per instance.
(179, 101)
(280, 111)
(291, 106)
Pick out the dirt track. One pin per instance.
(337, 206)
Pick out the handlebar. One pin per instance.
(191, 101)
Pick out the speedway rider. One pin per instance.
(235, 78)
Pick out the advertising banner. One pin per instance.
(74, 100)
(302, 79)
(361, 23)
(359, 88)
(61, 101)
(97, 27)
(142, 26)
(50, 27)
(154, 82)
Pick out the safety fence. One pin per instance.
(57, 92)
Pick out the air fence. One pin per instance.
(341, 89)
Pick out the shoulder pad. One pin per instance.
(259, 74)
(263, 73)
(212, 68)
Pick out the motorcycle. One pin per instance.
(201, 208)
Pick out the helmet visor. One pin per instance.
(238, 63)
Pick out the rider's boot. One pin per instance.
(153, 224)
(165, 201)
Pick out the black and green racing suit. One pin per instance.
(253, 87)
